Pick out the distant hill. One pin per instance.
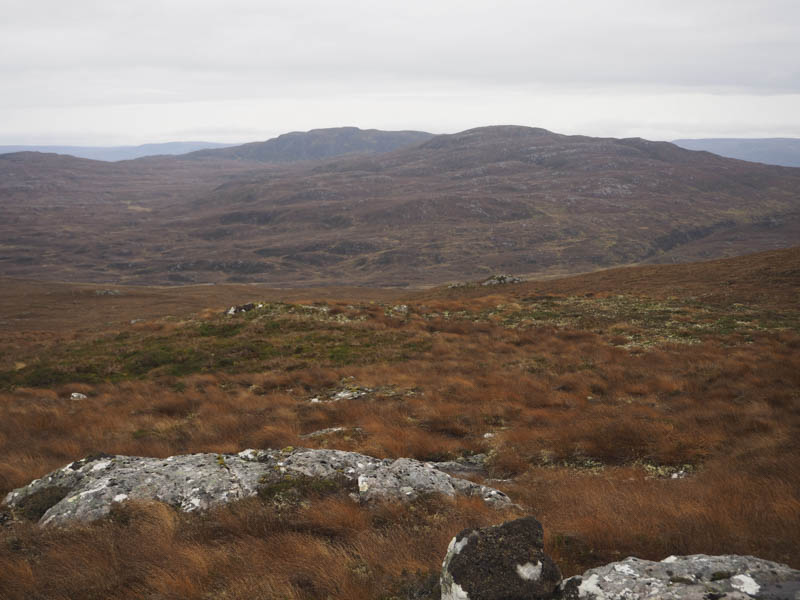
(772, 151)
(455, 207)
(319, 144)
(116, 153)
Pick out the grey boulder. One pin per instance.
(694, 577)
(87, 489)
(505, 562)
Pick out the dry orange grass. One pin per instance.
(589, 430)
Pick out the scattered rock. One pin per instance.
(77, 396)
(400, 310)
(350, 394)
(668, 471)
(332, 431)
(695, 577)
(501, 279)
(107, 293)
(86, 489)
(350, 391)
(242, 308)
(505, 562)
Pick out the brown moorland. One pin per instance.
(645, 411)
(455, 207)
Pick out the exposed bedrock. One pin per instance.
(86, 489)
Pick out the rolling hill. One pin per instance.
(453, 207)
(318, 144)
(116, 153)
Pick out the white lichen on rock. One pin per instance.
(746, 584)
(530, 571)
(694, 577)
(198, 481)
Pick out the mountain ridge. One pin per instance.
(115, 153)
(317, 144)
(454, 207)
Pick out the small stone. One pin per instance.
(77, 396)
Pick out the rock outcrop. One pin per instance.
(87, 489)
(506, 562)
(695, 577)
(501, 279)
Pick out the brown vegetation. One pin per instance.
(457, 207)
(594, 403)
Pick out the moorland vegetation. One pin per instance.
(645, 411)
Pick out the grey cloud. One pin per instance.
(108, 53)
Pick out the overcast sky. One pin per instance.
(97, 72)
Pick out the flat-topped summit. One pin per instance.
(318, 144)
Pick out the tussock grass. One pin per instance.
(585, 406)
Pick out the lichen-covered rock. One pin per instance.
(88, 488)
(505, 562)
(501, 279)
(400, 478)
(468, 465)
(695, 577)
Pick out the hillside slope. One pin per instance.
(318, 144)
(765, 278)
(456, 207)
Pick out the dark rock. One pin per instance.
(467, 465)
(37, 503)
(505, 562)
(242, 308)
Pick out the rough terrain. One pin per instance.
(455, 207)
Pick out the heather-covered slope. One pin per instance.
(456, 207)
(318, 144)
